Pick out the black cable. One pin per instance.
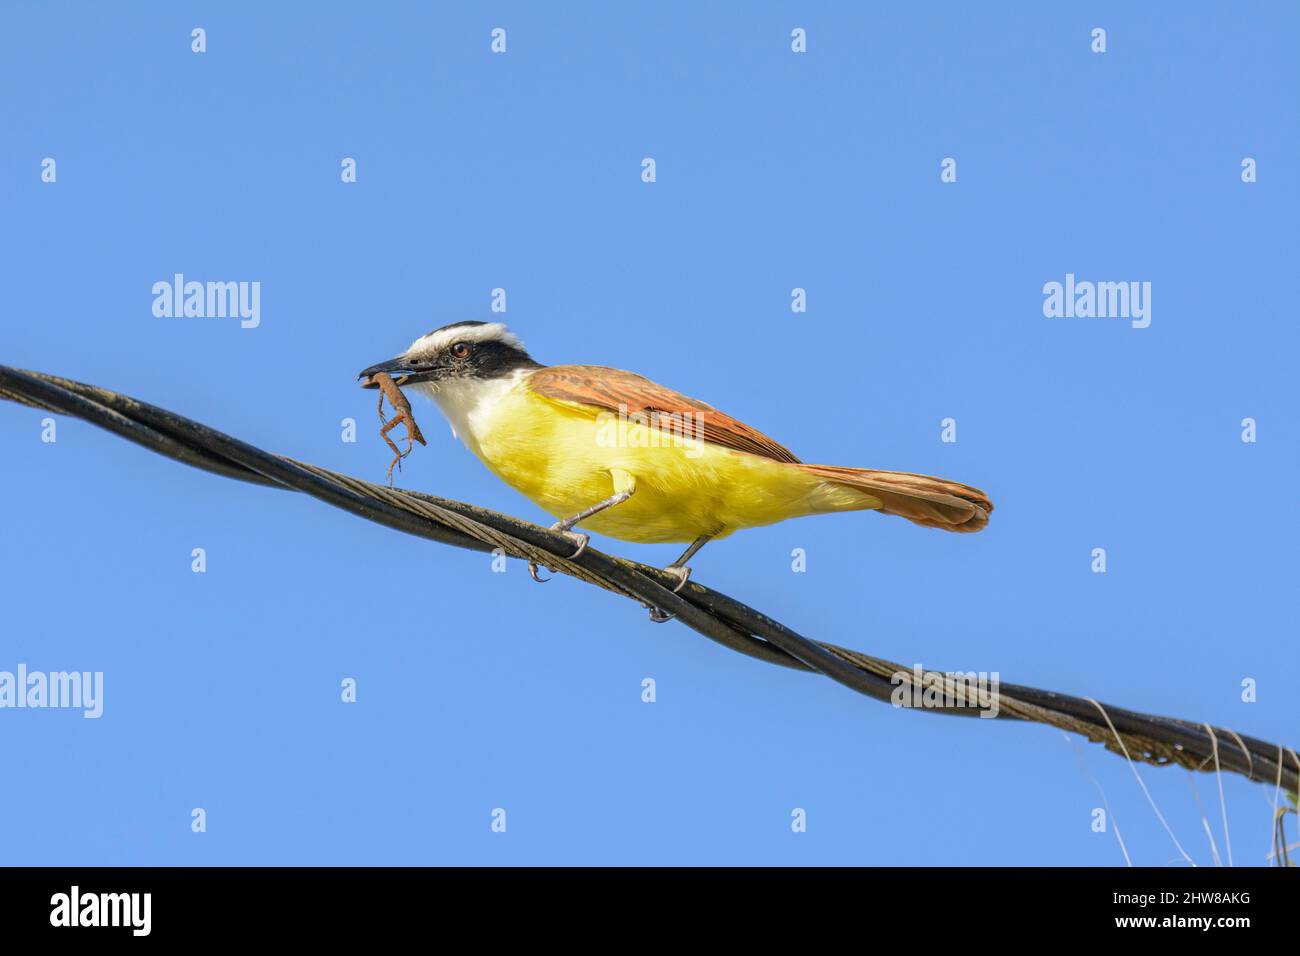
(711, 613)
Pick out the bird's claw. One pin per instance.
(580, 542)
(579, 539)
(683, 574)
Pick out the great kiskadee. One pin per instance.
(623, 456)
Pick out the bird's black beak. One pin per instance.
(401, 369)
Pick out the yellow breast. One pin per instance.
(563, 456)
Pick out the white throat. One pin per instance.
(468, 404)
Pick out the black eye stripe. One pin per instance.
(489, 358)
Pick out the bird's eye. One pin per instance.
(461, 350)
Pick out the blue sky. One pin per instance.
(522, 171)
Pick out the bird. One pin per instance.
(623, 456)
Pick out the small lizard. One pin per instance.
(388, 389)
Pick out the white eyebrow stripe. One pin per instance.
(439, 339)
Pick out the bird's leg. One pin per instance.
(578, 538)
(679, 570)
(585, 513)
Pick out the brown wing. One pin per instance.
(612, 389)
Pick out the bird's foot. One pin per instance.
(580, 542)
(682, 574)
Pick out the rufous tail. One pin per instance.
(923, 499)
